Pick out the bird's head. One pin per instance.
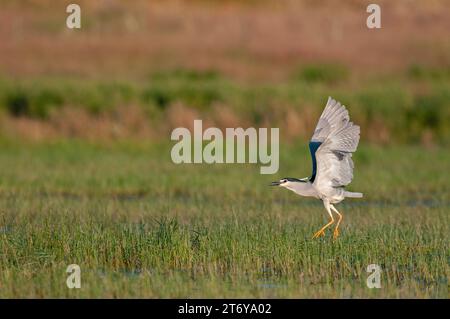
(286, 181)
(280, 182)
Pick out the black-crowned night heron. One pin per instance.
(332, 144)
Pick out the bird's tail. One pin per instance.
(353, 194)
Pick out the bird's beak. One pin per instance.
(275, 184)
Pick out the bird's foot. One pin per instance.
(335, 234)
(319, 233)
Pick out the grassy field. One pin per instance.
(86, 176)
(140, 226)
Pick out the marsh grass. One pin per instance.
(140, 226)
(390, 108)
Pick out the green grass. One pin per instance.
(410, 107)
(325, 73)
(140, 226)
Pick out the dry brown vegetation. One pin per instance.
(69, 122)
(253, 43)
(260, 40)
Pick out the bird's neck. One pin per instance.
(303, 189)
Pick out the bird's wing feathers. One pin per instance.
(339, 138)
(333, 117)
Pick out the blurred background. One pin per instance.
(86, 175)
(137, 69)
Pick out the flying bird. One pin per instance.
(332, 144)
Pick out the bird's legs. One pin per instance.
(336, 231)
(321, 232)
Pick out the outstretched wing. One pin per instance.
(332, 144)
